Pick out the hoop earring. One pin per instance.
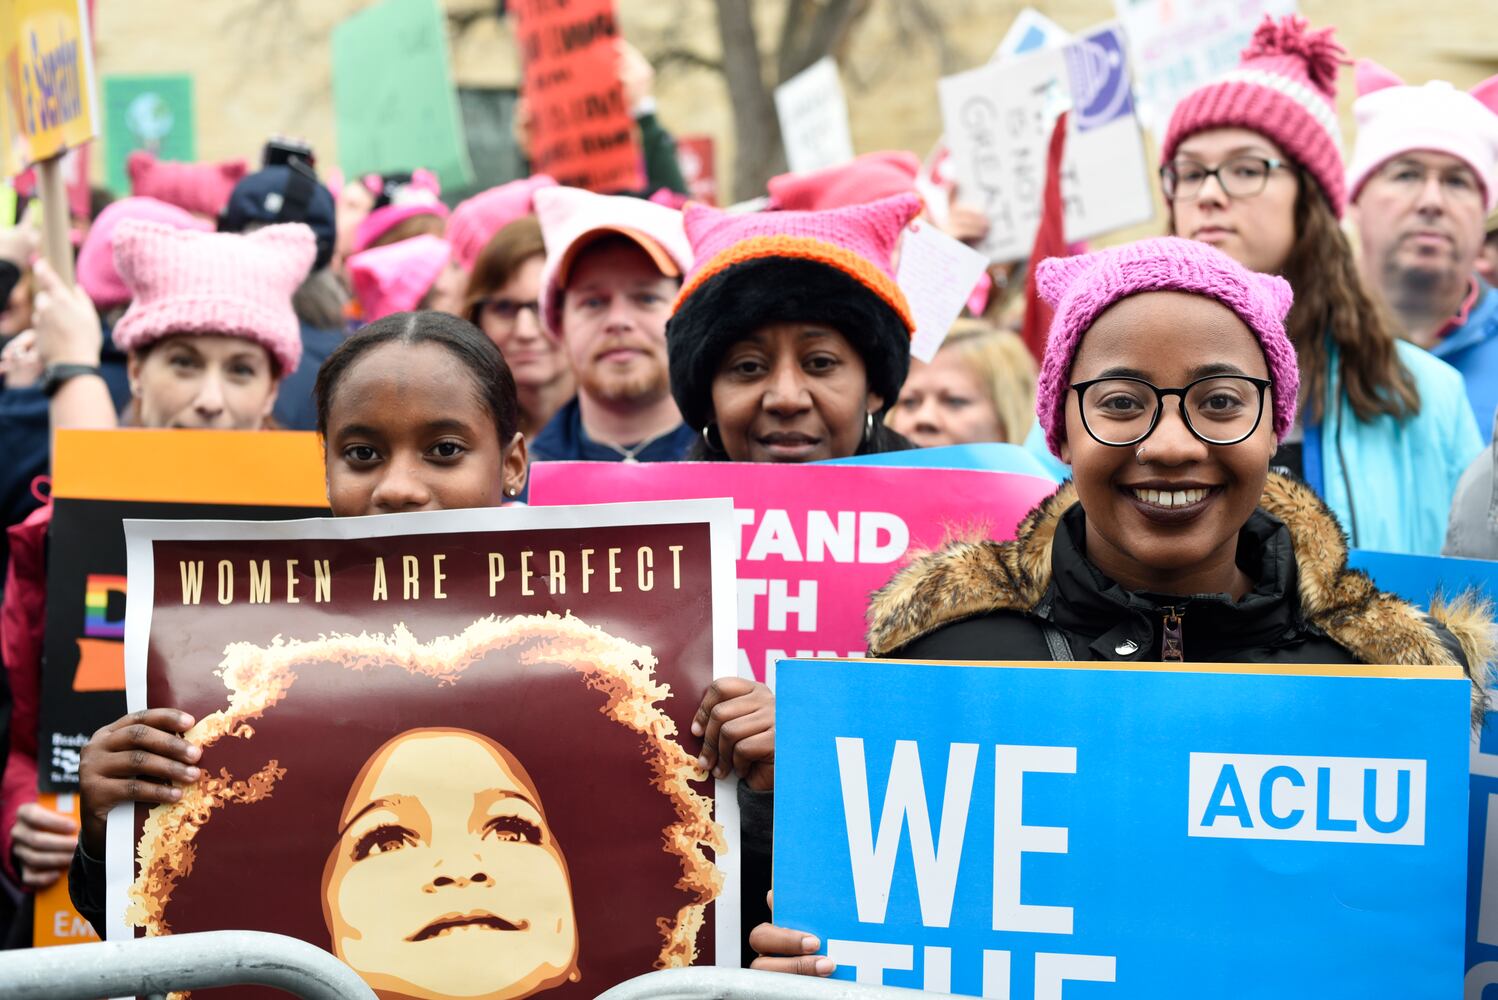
(707, 440)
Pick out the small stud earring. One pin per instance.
(511, 491)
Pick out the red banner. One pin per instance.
(581, 132)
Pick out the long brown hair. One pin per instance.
(1329, 297)
(499, 261)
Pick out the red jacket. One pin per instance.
(23, 618)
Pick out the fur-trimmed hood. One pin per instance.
(966, 579)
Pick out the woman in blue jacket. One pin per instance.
(1251, 164)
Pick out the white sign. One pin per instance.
(1176, 47)
(937, 273)
(1030, 32)
(998, 122)
(813, 117)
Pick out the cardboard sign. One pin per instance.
(998, 121)
(452, 747)
(813, 117)
(1176, 47)
(937, 273)
(697, 157)
(99, 479)
(48, 70)
(154, 113)
(814, 540)
(1170, 830)
(582, 132)
(394, 104)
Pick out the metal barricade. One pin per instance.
(706, 983)
(160, 965)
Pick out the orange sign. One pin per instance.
(581, 131)
(55, 921)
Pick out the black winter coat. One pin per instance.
(1039, 598)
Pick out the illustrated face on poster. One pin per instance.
(434, 822)
(499, 806)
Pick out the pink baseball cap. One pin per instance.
(1080, 289)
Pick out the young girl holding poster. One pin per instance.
(417, 411)
(1167, 384)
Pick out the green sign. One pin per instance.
(393, 96)
(146, 112)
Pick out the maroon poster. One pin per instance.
(453, 749)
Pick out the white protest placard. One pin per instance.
(1176, 47)
(1030, 32)
(813, 117)
(998, 121)
(937, 273)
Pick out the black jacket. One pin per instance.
(1039, 598)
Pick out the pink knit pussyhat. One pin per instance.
(869, 178)
(224, 284)
(397, 276)
(1285, 88)
(96, 271)
(1081, 288)
(203, 188)
(1395, 118)
(476, 221)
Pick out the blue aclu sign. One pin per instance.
(1129, 832)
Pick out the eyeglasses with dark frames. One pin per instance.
(1240, 177)
(1122, 411)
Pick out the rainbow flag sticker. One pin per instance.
(96, 623)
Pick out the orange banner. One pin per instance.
(56, 922)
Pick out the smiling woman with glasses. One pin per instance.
(1252, 165)
(1166, 384)
(502, 297)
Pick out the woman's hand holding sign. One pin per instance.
(736, 721)
(43, 843)
(139, 757)
(781, 949)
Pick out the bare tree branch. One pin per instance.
(668, 58)
(805, 40)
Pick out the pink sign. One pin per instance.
(814, 540)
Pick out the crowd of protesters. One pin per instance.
(1307, 360)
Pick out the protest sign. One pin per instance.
(813, 540)
(154, 113)
(1030, 31)
(1420, 580)
(451, 747)
(696, 157)
(937, 274)
(49, 80)
(813, 117)
(394, 105)
(53, 919)
(581, 131)
(1176, 47)
(998, 121)
(101, 477)
(1247, 830)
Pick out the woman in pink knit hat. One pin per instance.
(209, 332)
(1252, 164)
(790, 340)
(1168, 384)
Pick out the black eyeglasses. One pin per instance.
(1218, 409)
(1240, 177)
(508, 310)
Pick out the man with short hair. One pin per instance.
(613, 268)
(1423, 178)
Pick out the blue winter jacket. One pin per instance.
(1389, 482)
(1472, 349)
